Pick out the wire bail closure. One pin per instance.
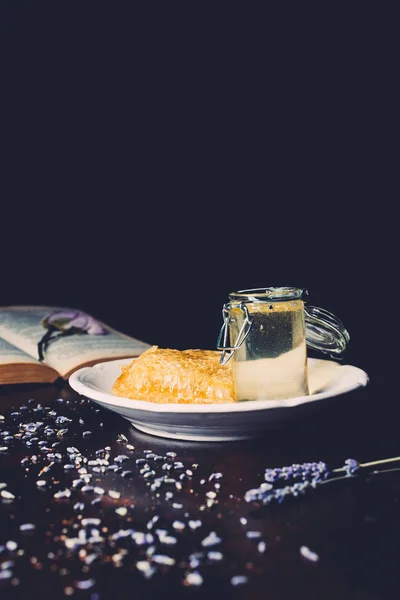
(228, 351)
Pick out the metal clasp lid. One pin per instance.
(228, 351)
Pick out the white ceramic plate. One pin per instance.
(328, 381)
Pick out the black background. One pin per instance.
(157, 157)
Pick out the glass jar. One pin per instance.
(266, 331)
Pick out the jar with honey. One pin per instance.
(266, 331)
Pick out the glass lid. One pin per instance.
(325, 332)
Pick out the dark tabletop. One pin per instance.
(172, 518)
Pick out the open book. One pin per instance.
(40, 343)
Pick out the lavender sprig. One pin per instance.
(306, 471)
(66, 322)
(311, 474)
(265, 494)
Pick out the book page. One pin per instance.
(21, 326)
(9, 354)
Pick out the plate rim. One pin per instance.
(360, 379)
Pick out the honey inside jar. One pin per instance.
(272, 362)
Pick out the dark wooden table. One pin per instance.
(147, 541)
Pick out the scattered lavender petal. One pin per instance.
(146, 568)
(63, 494)
(7, 495)
(152, 521)
(193, 578)
(90, 521)
(162, 559)
(27, 527)
(139, 538)
(114, 494)
(11, 545)
(309, 554)
(211, 540)
(120, 458)
(253, 534)
(167, 539)
(261, 547)
(239, 580)
(86, 584)
(215, 476)
(215, 555)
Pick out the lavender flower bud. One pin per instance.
(351, 466)
(66, 319)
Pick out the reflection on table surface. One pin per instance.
(93, 508)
